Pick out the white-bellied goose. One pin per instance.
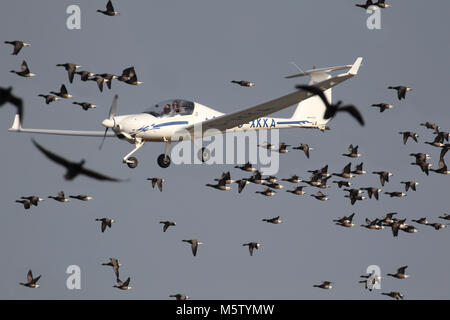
(49, 98)
(382, 106)
(60, 197)
(373, 225)
(409, 134)
(324, 285)
(24, 71)
(275, 220)
(423, 221)
(82, 197)
(251, 246)
(365, 6)
(34, 200)
(401, 91)
(123, 285)
(227, 177)
(114, 263)
(442, 168)
(70, 68)
(372, 191)
(359, 169)
(243, 83)
(382, 4)
(73, 169)
(84, 75)
(430, 125)
(410, 184)
(194, 245)
(283, 147)
(400, 273)
(320, 196)
(393, 294)
(267, 192)
(109, 10)
(396, 194)
(437, 226)
(106, 222)
(353, 152)
(298, 190)
(246, 167)
(99, 80)
(345, 221)
(346, 172)
(18, 45)
(241, 184)
(62, 92)
(333, 109)
(31, 282)
(342, 183)
(293, 179)
(445, 216)
(221, 185)
(85, 105)
(157, 181)
(305, 148)
(273, 185)
(384, 176)
(167, 224)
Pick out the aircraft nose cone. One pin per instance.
(108, 123)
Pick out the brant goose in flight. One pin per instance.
(34, 200)
(345, 221)
(409, 134)
(244, 83)
(81, 197)
(410, 184)
(6, 96)
(372, 191)
(123, 285)
(332, 109)
(157, 181)
(109, 10)
(62, 92)
(400, 273)
(113, 262)
(353, 152)
(73, 169)
(401, 91)
(85, 105)
(384, 176)
(179, 296)
(346, 174)
(18, 45)
(70, 68)
(31, 282)
(84, 75)
(106, 222)
(393, 294)
(382, 106)
(194, 245)
(298, 190)
(305, 148)
(275, 220)
(49, 98)
(324, 285)
(24, 71)
(167, 224)
(267, 192)
(60, 197)
(251, 246)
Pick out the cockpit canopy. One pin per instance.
(170, 108)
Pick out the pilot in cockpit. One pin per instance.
(175, 108)
(166, 109)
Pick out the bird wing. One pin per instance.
(63, 89)
(52, 156)
(160, 184)
(103, 226)
(35, 279)
(24, 66)
(96, 175)
(401, 270)
(234, 119)
(126, 283)
(351, 109)
(17, 46)
(109, 6)
(29, 276)
(194, 248)
(166, 226)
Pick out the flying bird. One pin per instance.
(393, 294)
(244, 83)
(324, 285)
(82, 197)
(7, 96)
(73, 168)
(167, 224)
(24, 71)
(34, 200)
(305, 148)
(85, 105)
(63, 93)
(70, 68)
(49, 98)
(31, 282)
(194, 245)
(409, 134)
(401, 91)
(179, 296)
(275, 220)
(109, 10)
(157, 181)
(18, 45)
(332, 109)
(382, 106)
(368, 4)
(123, 285)
(353, 152)
(60, 197)
(106, 222)
(114, 263)
(252, 246)
(400, 273)
(384, 176)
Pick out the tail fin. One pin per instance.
(311, 110)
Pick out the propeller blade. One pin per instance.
(113, 109)
(103, 140)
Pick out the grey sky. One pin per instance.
(192, 49)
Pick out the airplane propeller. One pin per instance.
(110, 122)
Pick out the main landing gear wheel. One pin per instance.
(204, 154)
(132, 162)
(163, 163)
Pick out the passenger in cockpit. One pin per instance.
(175, 108)
(166, 109)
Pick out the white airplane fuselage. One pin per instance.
(158, 129)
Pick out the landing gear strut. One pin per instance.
(204, 154)
(132, 161)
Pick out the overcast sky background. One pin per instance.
(192, 49)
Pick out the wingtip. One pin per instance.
(355, 67)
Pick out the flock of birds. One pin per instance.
(318, 179)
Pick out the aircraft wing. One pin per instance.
(16, 127)
(232, 120)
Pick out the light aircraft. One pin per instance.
(178, 119)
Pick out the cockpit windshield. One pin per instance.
(170, 108)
